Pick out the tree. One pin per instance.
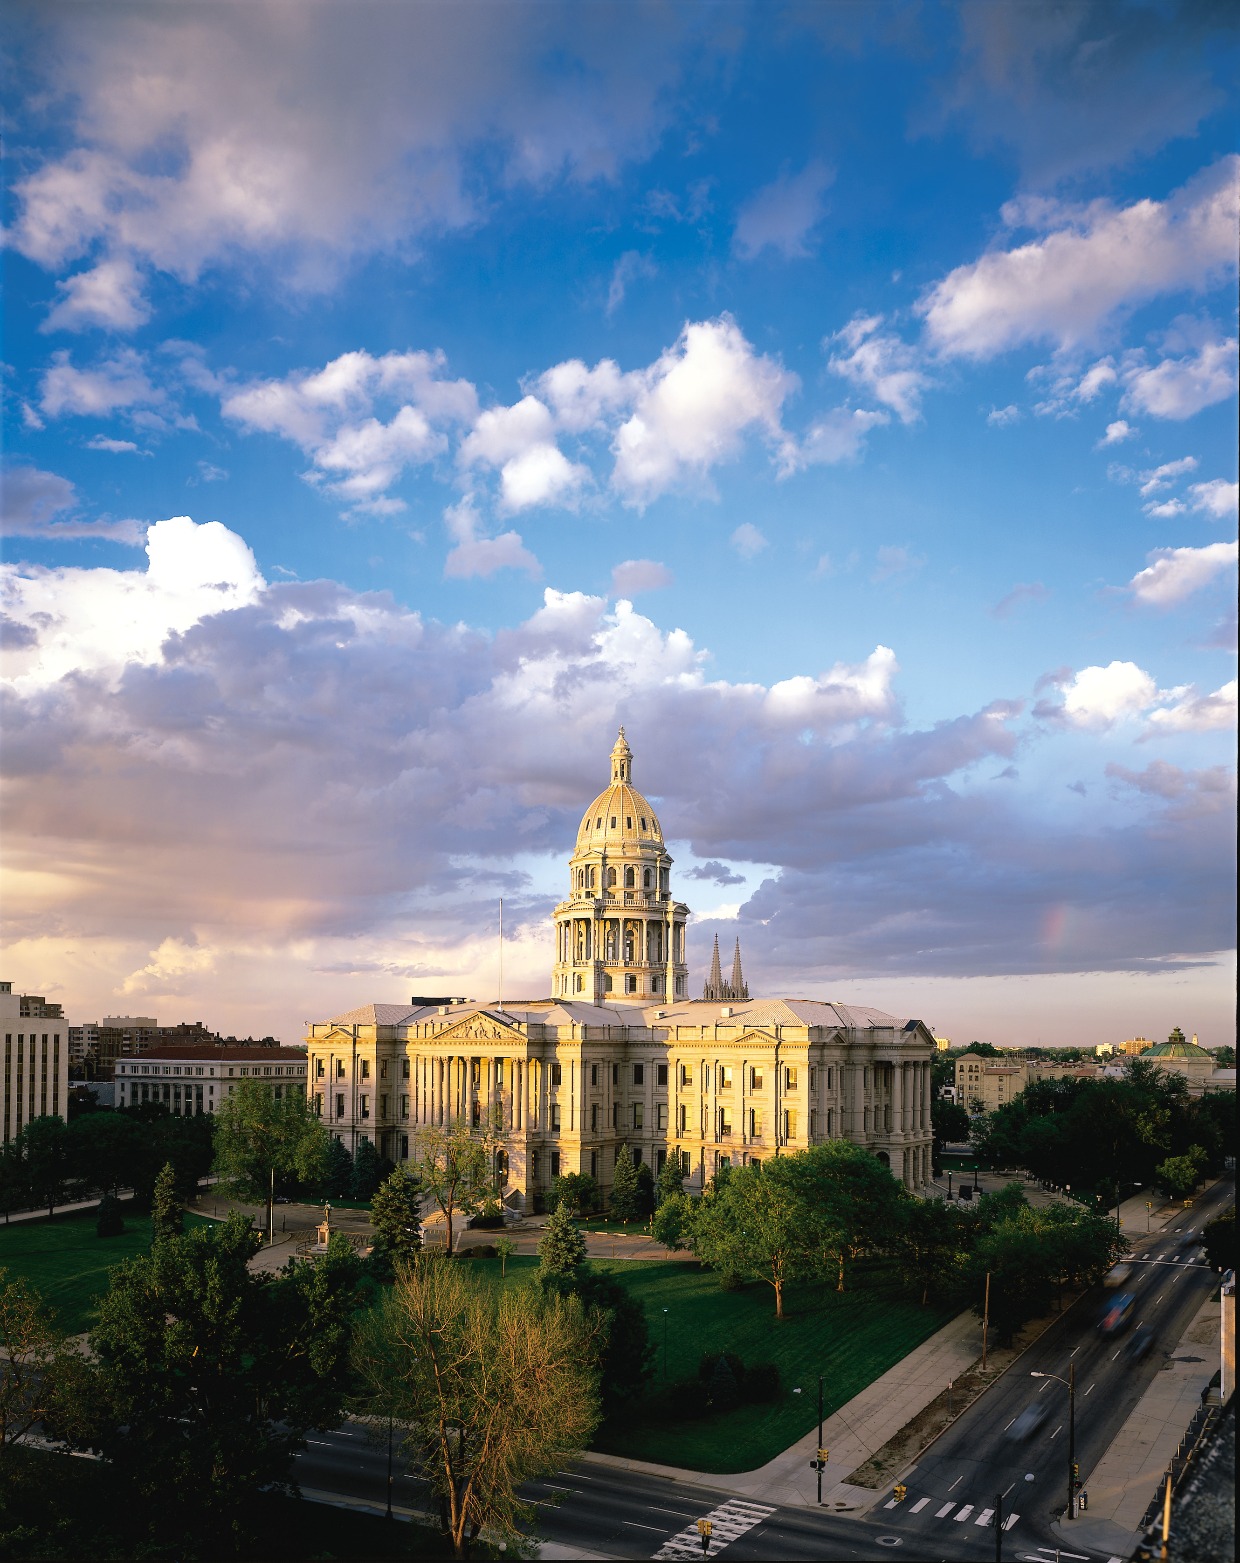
(931, 1241)
(44, 1149)
(106, 1151)
(949, 1122)
(625, 1194)
(396, 1216)
(671, 1179)
(673, 1219)
(167, 1219)
(497, 1388)
(368, 1171)
(109, 1222)
(645, 1190)
(14, 1185)
(756, 1223)
(338, 1178)
(578, 1191)
(263, 1141)
(1179, 1176)
(850, 1198)
(561, 1248)
(504, 1250)
(455, 1170)
(211, 1375)
(33, 1357)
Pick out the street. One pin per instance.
(950, 1508)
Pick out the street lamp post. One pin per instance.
(820, 1438)
(1070, 1381)
(665, 1348)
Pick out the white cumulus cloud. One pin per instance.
(881, 363)
(1176, 573)
(1196, 713)
(1217, 498)
(1087, 266)
(1177, 388)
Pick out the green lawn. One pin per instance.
(68, 1265)
(850, 1337)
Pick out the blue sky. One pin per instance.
(842, 397)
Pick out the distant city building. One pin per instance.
(619, 1055)
(1104, 1050)
(984, 1084)
(942, 1044)
(1192, 1063)
(34, 1082)
(190, 1080)
(1134, 1046)
(95, 1046)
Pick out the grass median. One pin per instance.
(68, 1264)
(850, 1337)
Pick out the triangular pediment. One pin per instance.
(482, 1027)
(754, 1037)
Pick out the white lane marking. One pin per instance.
(919, 1505)
(1006, 1425)
(1089, 1391)
(1057, 1431)
(727, 1522)
(1074, 1351)
(891, 1503)
(1116, 1354)
(963, 1512)
(1008, 1488)
(1158, 1299)
(985, 1517)
(637, 1524)
(1045, 1387)
(956, 1483)
(946, 1509)
(558, 1488)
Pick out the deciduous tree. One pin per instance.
(499, 1388)
(33, 1356)
(264, 1142)
(454, 1168)
(756, 1223)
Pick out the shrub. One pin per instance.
(110, 1222)
(731, 1281)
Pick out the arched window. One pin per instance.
(646, 879)
(611, 878)
(606, 984)
(628, 879)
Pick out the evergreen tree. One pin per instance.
(671, 1178)
(625, 1194)
(561, 1249)
(110, 1222)
(339, 1176)
(396, 1215)
(166, 1217)
(367, 1171)
(645, 1191)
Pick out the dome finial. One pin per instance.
(621, 760)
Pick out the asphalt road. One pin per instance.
(949, 1510)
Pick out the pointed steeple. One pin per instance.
(714, 983)
(739, 989)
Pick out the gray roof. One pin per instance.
(685, 1012)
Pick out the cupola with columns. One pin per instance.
(620, 936)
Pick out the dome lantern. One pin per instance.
(621, 760)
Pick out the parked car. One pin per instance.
(1117, 1315)
(1028, 1422)
(1141, 1344)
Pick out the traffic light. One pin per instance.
(1076, 1471)
(900, 1492)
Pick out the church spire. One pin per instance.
(714, 983)
(739, 988)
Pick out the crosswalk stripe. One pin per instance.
(919, 1505)
(1010, 1521)
(964, 1513)
(985, 1517)
(946, 1509)
(729, 1521)
(891, 1503)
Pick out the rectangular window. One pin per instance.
(499, 1074)
(685, 1077)
(533, 1166)
(404, 1147)
(660, 1074)
(555, 1164)
(725, 1077)
(404, 1069)
(365, 1069)
(555, 1117)
(615, 1074)
(383, 1101)
(637, 1115)
(790, 1079)
(725, 1122)
(557, 1074)
(790, 1124)
(755, 1079)
(706, 1077)
(661, 1116)
(404, 1107)
(593, 1074)
(382, 1069)
(244, 1069)
(755, 1124)
(339, 1069)
(639, 1074)
(830, 1079)
(594, 1118)
(594, 1164)
(615, 1115)
(682, 1117)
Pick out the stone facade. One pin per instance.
(611, 1059)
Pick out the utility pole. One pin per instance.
(999, 1527)
(1071, 1440)
(820, 1459)
(985, 1320)
(500, 1005)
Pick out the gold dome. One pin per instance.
(620, 815)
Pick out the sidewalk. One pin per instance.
(1128, 1475)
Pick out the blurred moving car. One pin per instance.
(1117, 1275)
(1117, 1315)
(1028, 1422)
(1141, 1344)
